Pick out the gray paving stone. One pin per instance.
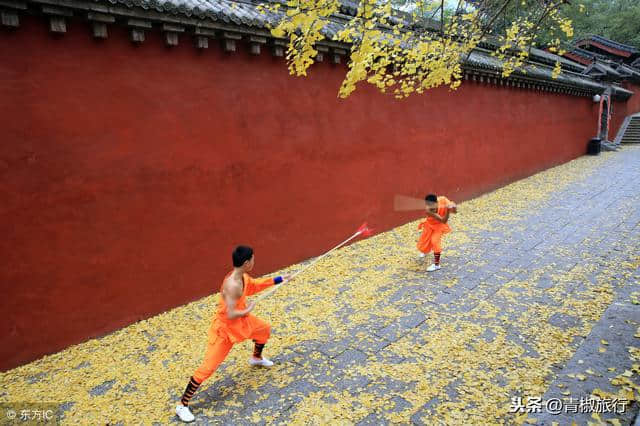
(564, 321)
(588, 357)
(103, 388)
(373, 419)
(351, 357)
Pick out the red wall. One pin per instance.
(623, 109)
(128, 173)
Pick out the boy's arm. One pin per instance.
(451, 206)
(439, 218)
(446, 216)
(257, 285)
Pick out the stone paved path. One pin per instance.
(538, 298)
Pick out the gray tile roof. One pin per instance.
(600, 69)
(614, 44)
(586, 53)
(484, 60)
(628, 71)
(245, 14)
(229, 11)
(552, 58)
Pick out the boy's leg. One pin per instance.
(260, 335)
(436, 238)
(216, 353)
(424, 244)
(437, 250)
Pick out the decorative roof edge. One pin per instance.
(480, 66)
(607, 42)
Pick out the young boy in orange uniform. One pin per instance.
(232, 324)
(434, 227)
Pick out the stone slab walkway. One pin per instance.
(537, 301)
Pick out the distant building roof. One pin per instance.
(602, 71)
(629, 72)
(609, 46)
(605, 59)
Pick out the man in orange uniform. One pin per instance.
(434, 226)
(232, 324)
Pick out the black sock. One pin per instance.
(257, 350)
(192, 387)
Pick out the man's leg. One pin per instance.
(214, 355)
(260, 335)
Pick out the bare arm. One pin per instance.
(233, 313)
(231, 293)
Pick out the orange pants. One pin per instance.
(218, 349)
(430, 241)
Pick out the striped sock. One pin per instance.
(192, 387)
(436, 257)
(257, 350)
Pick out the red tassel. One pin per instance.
(365, 230)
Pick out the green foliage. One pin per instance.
(617, 20)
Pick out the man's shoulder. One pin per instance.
(230, 282)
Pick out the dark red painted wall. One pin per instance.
(127, 174)
(623, 109)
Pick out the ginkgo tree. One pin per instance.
(417, 45)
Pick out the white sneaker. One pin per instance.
(422, 255)
(184, 413)
(433, 267)
(263, 362)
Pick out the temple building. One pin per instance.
(612, 63)
(143, 140)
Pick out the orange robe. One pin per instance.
(433, 230)
(225, 332)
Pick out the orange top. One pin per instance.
(433, 223)
(237, 329)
